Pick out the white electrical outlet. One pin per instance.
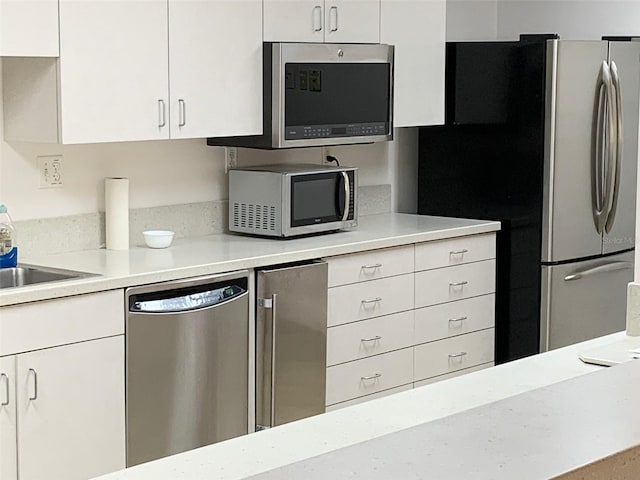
(50, 171)
(325, 153)
(230, 158)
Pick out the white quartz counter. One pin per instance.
(191, 257)
(260, 452)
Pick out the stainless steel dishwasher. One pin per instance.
(187, 362)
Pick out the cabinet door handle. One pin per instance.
(162, 115)
(182, 112)
(373, 300)
(371, 267)
(34, 375)
(456, 320)
(334, 23)
(457, 355)
(317, 15)
(371, 377)
(5, 379)
(458, 252)
(458, 284)
(372, 339)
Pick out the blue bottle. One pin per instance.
(8, 244)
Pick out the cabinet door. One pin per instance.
(215, 58)
(71, 410)
(8, 424)
(352, 21)
(29, 29)
(293, 20)
(113, 70)
(417, 29)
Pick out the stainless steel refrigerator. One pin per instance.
(542, 134)
(291, 343)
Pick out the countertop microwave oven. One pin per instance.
(294, 199)
(318, 94)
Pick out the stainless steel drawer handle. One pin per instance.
(33, 373)
(371, 267)
(374, 300)
(372, 339)
(371, 377)
(457, 355)
(5, 377)
(457, 320)
(458, 284)
(459, 252)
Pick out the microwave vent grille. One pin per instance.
(254, 217)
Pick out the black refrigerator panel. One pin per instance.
(486, 162)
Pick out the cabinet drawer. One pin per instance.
(454, 318)
(50, 323)
(455, 283)
(455, 251)
(369, 375)
(369, 337)
(366, 398)
(458, 373)
(370, 265)
(360, 301)
(455, 353)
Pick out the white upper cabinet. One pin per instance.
(417, 29)
(29, 28)
(117, 61)
(215, 59)
(113, 70)
(337, 21)
(352, 21)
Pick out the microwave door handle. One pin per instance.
(347, 195)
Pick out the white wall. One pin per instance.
(472, 20)
(572, 19)
(168, 172)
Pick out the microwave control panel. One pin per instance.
(330, 131)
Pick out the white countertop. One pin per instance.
(211, 254)
(260, 452)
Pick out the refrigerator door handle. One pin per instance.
(609, 171)
(609, 267)
(273, 359)
(617, 165)
(597, 183)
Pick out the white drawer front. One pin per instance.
(49, 323)
(459, 373)
(455, 251)
(454, 318)
(360, 301)
(366, 398)
(455, 283)
(370, 265)
(455, 353)
(369, 375)
(369, 337)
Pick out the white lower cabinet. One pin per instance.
(8, 419)
(71, 410)
(69, 404)
(432, 318)
(62, 406)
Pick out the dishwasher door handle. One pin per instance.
(186, 304)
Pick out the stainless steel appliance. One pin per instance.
(295, 199)
(323, 94)
(291, 343)
(542, 134)
(187, 365)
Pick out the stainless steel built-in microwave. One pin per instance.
(289, 200)
(323, 94)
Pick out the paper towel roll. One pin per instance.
(116, 205)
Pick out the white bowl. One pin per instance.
(158, 238)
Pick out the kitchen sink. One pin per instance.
(24, 275)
